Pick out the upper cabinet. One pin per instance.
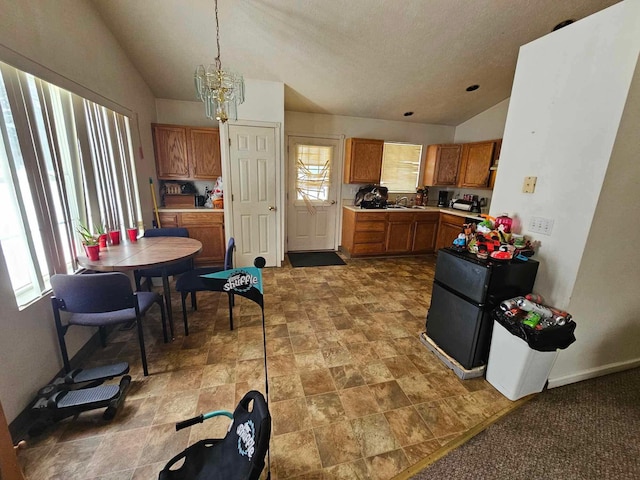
(204, 153)
(494, 166)
(465, 165)
(442, 165)
(363, 160)
(187, 153)
(477, 158)
(172, 157)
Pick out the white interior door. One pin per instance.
(252, 155)
(313, 188)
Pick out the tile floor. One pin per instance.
(353, 392)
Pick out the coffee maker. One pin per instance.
(443, 198)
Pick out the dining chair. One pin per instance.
(191, 282)
(164, 272)
(101, 300)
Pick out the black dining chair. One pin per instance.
(191, 282)
(100, 300)
(164, 272)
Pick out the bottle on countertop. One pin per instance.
(419, 196)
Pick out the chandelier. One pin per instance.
(220, 91)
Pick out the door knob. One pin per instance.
(332, 202)
(272, 209)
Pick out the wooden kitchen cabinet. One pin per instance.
(400, 228)
(363, 233)
(442, 165)
(363, 160)
(187, 153)
(449, 227)
(494, 165)
(388, 233)
(205, 226)
(477, 158)
(425, 232)
(172, 157)
(204, 153)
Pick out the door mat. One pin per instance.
(314, 259)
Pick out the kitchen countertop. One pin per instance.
(451, 211)
(192, 209)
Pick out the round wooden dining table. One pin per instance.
(146, 252)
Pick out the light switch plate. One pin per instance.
(529, 185)
(541, 225)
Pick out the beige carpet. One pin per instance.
(587, 430)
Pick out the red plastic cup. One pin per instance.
(114, 235)
(102, 240)
(93, 252)
(133, 234)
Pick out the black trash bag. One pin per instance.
(548, 339)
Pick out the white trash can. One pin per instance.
(514, 368)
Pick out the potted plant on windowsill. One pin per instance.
(102, 235)
(90, 243)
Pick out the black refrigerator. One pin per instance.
(465, 291)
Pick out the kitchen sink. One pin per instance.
(397, 206)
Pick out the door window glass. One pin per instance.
(313, 165)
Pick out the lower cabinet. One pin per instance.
(382, 233)
(400, 232)
(448, 229)
(425, 232)
(364, 233)
(205, 226)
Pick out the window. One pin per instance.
(64, 161)
(313, 172)
(400, 166)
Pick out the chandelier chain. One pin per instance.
(220, 91)
(218, 61)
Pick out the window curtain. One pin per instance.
(65, 161)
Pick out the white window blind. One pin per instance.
(400, 166)
(313, 172)
(64, 160)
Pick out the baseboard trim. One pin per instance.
(20, 425)
(593, 373)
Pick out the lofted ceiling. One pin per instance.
(362, 58)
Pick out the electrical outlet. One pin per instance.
(541, 225)
(529, 185)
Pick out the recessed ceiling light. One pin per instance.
(471, 88)
(408, 114)
(562, 24)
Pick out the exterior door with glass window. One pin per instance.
(312, 213)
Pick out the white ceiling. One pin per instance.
(363, 58)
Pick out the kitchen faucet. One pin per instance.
(405, 199)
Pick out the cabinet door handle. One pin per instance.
(272, 209)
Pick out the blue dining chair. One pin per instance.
(164, 272)
(100, 300)
(191, 282)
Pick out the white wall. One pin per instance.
(66, 43)
(299, 123)
(605, 300)
(264, 101)
(568, 96)
(484, 126)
